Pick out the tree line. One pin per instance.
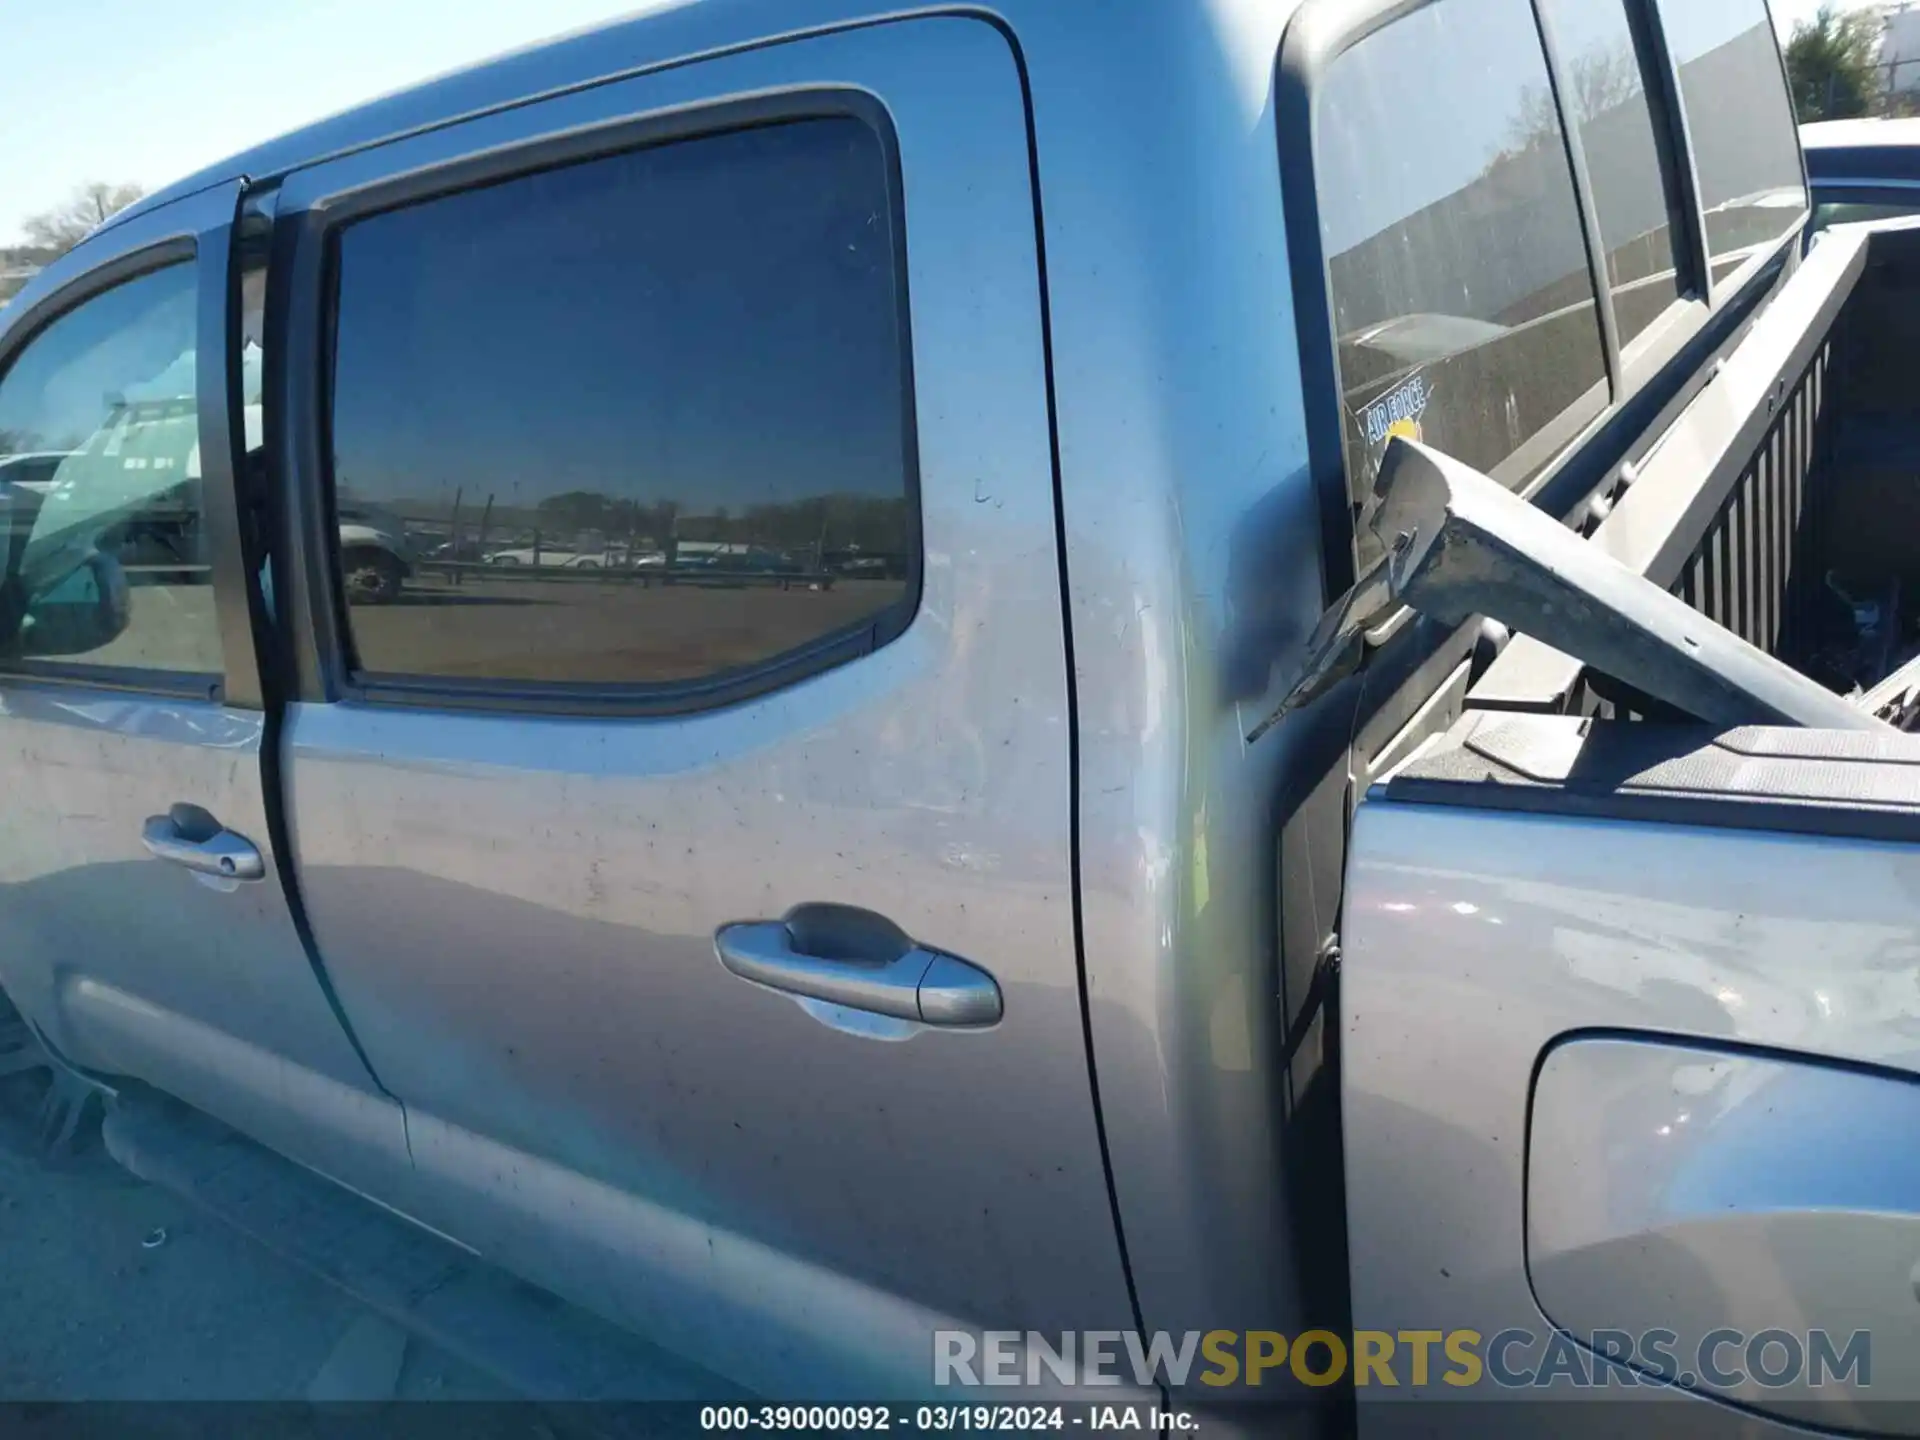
(819, 524)
(52, 233)
(1834, 68)
(831, 521)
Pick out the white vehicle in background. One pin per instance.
(583, 550)
(24, 482)
(31, 470)
(547, 557)
(376, 555)
(588, 551)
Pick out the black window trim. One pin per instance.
(193, 231)
(1868, 192)
(1672, 108)
(1673, 139)
(302, 289)
(1583, 199)
(1670, 114)
(1318, 34)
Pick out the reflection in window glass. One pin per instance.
(1633, 192)
(1745, 145)
(1855, 212)
(252, 238)
(100, 518)
(1462, 297)
(638, 420)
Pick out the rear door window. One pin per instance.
(1604, 62)
(1741, 121)
(671, 441)
(1462, 297)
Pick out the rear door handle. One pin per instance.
(914, 983)
(187, 836)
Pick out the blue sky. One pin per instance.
(1787, 13)
(121, 90)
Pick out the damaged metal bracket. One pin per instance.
(1459, 544)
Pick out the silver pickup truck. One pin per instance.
(1374, 803)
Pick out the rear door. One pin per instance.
(144, 927)
(761, 337)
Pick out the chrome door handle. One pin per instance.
(222, 854)
(916, 984)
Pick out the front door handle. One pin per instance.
(866, 965)
(189, 837)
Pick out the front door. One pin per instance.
(704, 415)
(144, 925)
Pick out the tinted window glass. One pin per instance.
(1631, 175)
(638, 420)
(1744, 141)
(100, 518)
(1854, 212)
(1462, 297)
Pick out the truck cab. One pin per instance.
(1070, 927)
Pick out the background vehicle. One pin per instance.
(23, 484)
(561, 559)
(375, 555)
(589, 550)
(1005, 942)
(1862, 169)
(467, 550)
(30, 471)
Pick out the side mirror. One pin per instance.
(87, 609)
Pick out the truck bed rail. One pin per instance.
(1728, 503)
